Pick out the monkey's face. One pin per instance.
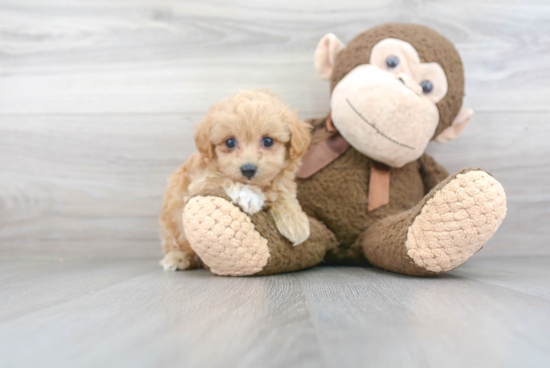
(386, 109)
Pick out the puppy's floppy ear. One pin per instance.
(202, 139)
(300, 136)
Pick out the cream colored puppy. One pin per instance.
(250, 145)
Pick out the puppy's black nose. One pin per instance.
(248, 170)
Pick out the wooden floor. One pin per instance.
(491, 312)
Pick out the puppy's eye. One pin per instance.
(230, 143)
(267, 142)
(392, 62)
(427, 86)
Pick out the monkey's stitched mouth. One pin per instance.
(375, 128)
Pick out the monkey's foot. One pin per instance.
(456, 221)
(224, 237)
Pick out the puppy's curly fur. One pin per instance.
(252, 128)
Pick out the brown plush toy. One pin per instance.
(372, 194)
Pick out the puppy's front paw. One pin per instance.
(175, 260)
(251, 200)
(294, 227)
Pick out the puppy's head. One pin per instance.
(252, 136)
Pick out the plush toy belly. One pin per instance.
(338, 195)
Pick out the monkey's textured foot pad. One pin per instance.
(224, 237)
(456, 222)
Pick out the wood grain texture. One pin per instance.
(129, 313)
(173, 56)
(97, 101)
(92, 184)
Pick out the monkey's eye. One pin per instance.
(267, 142)
(230, 143)
(392, 62)
(427, 86)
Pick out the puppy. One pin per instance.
(249, 145)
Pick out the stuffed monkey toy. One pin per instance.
(371, 193)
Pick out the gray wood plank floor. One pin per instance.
(491, 312)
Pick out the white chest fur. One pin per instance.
(250, 198)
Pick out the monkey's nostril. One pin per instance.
(409, 83)
(248, 170)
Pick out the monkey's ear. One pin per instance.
(325, 55)
(457, 127)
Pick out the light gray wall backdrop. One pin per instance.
(98, 99)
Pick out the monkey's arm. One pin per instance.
(432, 172)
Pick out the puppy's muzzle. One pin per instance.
(248, 170)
